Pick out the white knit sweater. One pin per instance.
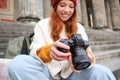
(42, 37)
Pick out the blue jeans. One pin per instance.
(24, 67)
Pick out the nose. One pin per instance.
(67, 9)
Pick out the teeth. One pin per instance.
(64, 15)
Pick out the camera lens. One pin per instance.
(80, 59)
(82, 65)
(78, 48)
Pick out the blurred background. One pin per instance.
(101, 19)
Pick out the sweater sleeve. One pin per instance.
(44, 53)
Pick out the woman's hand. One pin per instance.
(59, 56)
(71, 65)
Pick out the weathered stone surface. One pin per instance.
(29, 10)
(13, 30)
(105, 44)
(99, 14)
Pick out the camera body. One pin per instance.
(78, 48)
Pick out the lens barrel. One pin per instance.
(80, 58)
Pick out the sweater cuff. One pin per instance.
(44, 53)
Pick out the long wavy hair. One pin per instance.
(57, 24)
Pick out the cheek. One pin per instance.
(58, 11)
(72, 12)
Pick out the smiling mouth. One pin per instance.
(65, 16)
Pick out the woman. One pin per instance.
(47, 62)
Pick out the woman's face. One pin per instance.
(65, 9)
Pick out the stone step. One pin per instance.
(9, 35)
(116, 41)
(4, 40)
(3, 47)
(101, 37)
(105, 47)
(15, 32)
(112, 63)
(15, 28)
(12, 30)
(1, 54)
(95, 46)
(107, 54)
(95, 32)
(104, 34)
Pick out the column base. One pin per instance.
(28, 19)
(116, 29)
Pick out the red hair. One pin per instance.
(57, 25)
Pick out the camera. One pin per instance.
(78, 48)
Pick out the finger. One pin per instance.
(61, 45)
(58, 53)
(57, 57)
(71, 65)
(74, 70)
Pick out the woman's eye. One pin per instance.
(71, 6)
(62, 5)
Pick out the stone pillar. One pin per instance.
(46, 8)
(29, 10)
(115, 10)
(84, 13)
(99, 14)
(108, 14)
(16, 9)
(79, 14)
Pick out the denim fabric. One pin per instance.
(25, 67)
(97, 72)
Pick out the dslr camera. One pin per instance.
(78, 48)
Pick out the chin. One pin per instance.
(65, 20)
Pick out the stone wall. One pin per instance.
(102, 14)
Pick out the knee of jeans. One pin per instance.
(101, 69)
(17, 63)
(104, 71)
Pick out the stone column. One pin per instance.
(16, 9)
(46, 8)
(29, 10)
(108, 14)
(115, 10)
(99, 14)
(79, 14)
(84, 14)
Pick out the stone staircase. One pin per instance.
(12, 30)
(106, 48)
(104, 44)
